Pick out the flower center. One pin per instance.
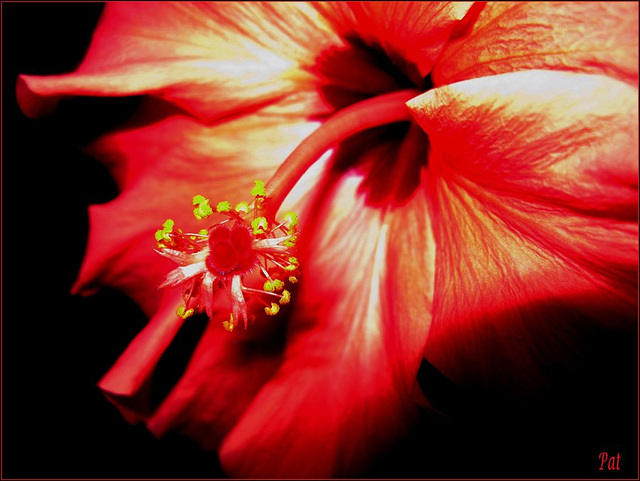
(251, 239)
(221, 256)
(230, 250)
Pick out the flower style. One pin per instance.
(466, 179)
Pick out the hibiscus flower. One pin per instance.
(466, 183)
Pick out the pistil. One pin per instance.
(222, 255)
(250, 239)
(375, 112)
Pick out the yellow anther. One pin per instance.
(258, 190)
(273, 310)
(189, 248)
(223, 206)
(168, 224)
(163, 234)
(183, 312)
(291, 219)
(203, 209)
(293, 264)
(259, 225)
(242, 208)
(286, 297)
(229, 325)
(271, 286)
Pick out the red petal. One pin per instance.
(589, 37)
(212, 59)
(344, 390)
(411, 33)
(535, 197)
(127, 382)
(224, 374)
(160, 167)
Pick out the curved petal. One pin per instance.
(409, 286)
(535, 196)
(343, 392)
(588, 37)
(159, 168)
(225, 371)
(223, 376)
(127, 383)
(411, 33)
(212, 59)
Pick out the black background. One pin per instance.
(56, 346)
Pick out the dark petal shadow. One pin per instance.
(588, 405)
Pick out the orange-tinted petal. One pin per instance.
(411, 33)
(358, 326)
(535, 198)
(212, 59)
(160, 167)
(226, 369)
(589, 37)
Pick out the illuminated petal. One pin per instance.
(354, 346)
(212, 59)
(159, 168)
(535, 191)
(411, 33)
(588, 37)
(409, 284)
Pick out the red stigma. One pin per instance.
(230, 250)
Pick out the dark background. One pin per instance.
(56, 346)
(56, 424)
